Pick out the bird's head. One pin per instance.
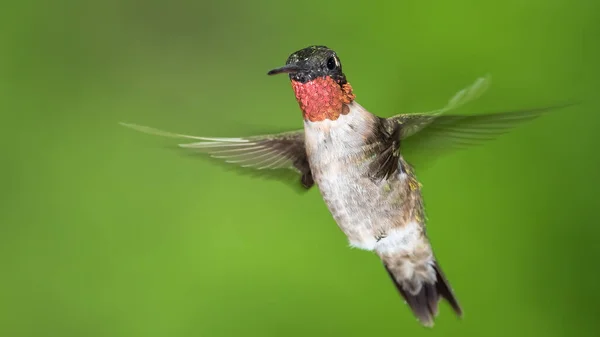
(319, 83)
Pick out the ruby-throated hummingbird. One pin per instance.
(357, 161)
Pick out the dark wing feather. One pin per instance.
(387, 157)
(434, 133)
(267, 152)
(392, 131)
(415, 122)
(448, 132)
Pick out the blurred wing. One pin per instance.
(267, 152)
(433, 133)
(449, 132)
(395, 129)
(415, 122)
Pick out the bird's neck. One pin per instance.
(323, 98)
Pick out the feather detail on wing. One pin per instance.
(414, 122)
(437, 131)
(276, 151)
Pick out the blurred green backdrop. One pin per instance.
(109, 232)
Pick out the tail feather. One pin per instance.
(423, 297)
(444, 290)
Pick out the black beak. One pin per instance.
(287, 69)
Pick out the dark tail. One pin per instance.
(423, 295)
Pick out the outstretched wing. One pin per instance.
(434, 133)
(414, 122)
(449, 132)
(267, 152)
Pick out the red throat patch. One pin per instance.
(323, 98)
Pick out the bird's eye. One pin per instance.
(331, 63)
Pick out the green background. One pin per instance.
(108, 232)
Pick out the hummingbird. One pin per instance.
(357, 160)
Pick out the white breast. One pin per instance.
(329, 140)
(335, 151)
